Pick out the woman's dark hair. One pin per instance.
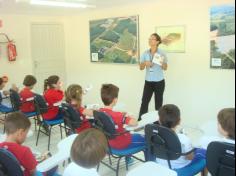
(158, 38)
(29, 80)
(49, 83)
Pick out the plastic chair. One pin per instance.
(105, 123)
(41, 108)
(163, 143)
(221, 159)
(153, 169)
(9, 165)
(64, 148)
(71, 118)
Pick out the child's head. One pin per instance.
(5, 79)
(17, 126)
(53, 82)
(109, 94)
(29, 81)
(226, 122)
(169, 116)
(74, 95)
(2, 85)
(89, 148)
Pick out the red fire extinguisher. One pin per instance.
(11, 49)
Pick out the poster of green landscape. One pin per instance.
(114, 40)
(223, 37)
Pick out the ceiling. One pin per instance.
(24, 7)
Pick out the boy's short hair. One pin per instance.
(108, 93)
(89, 148)
(1, 81)
(169, 116)
(29, 80)
(16, 121)
(226, 119)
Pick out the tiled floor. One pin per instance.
(42, 147)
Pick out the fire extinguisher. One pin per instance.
(11, 51)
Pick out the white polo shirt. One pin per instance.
(75, 170)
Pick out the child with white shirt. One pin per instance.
(169, 117)
(226, 124)
(87, 151)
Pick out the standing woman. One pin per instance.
(155, 62)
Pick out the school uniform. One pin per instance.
(52, 96)
(25, 94)
(23, 154)
(74, 170)
(85, 122)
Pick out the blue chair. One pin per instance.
(4, 110)
(9, 165)
(17, 102)
(41, 108)
(221, 159)
(105, 123)
(163, 143)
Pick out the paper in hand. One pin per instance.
(158, 59)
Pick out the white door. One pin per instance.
(48, 52)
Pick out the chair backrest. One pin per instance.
(162, 142)
(71, 117)
(15, 100)
(105, 123)
(0, 97)
(9, 166)
(221, 159)
(40, 104)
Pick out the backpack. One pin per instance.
(105, 123)
(41, 104)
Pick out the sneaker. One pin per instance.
(129, 161)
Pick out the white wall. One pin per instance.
(191, 84)
(17, 27)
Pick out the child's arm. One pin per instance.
(130, 121)
(190, 156)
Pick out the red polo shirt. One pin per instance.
(23, 155)
(27, 106)
(122, 141)
(86, 124)
(52, 96)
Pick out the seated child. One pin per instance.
(88, 150)
(169, 117)
(5, 103)
(26, 93)
(73, 96)
(109, 95)
(226, 124)
(17, 127)
(53, 94)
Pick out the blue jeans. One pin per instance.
(5, 108)
(138, 141)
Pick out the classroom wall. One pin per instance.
(190, 83)
(18, 28)
(199, 91)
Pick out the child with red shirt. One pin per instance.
(27, 93)
(109, 95)
(53, 94)
(17, 126)
(74, 98)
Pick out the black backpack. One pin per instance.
(9, 165)
(105, 123)
(15, 100)
(40, 104)
(71, 116)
